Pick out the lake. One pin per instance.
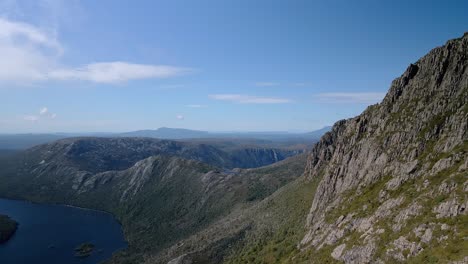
(50, 233)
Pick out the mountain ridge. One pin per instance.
(27, 140)
(418, 132)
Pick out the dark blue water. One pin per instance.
(50, 233)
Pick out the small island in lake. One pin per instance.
(84, 250)
(8, 227)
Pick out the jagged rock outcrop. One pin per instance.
(402, 159)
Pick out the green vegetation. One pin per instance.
(279, 226)
(167, 198)
(8, 227)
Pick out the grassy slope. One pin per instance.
(278, 226)
(169, 212)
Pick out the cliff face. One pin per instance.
(394, 179)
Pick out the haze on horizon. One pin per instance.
(78, 66)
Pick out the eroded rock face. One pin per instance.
(401, 249)
(401, 159)
(451, 208)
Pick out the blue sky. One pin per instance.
(75, 66)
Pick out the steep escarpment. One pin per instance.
(394, 179)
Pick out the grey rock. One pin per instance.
(424, 232)
(336, 253)
(414, 134)
(359, 254)
(402, 245)
(450, 208)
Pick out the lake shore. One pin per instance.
(52, 232)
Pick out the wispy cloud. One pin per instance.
(43, 113)
(27, 52)
(350, 97)
(180, 117)
(115, 72)
(266, 84)
(30, 53)
(249, 99)
(196, 106)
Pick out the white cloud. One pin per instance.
(32, 54)
(196, 106)
(31, 118)
(114, 72)
(43, 111)
(14, 31)
(350, 97)
(27, 52)
(249, 99)
(180, 117)
(266, 84)
(43, 114)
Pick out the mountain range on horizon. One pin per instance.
(23, 141)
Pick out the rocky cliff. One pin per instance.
(394, 179)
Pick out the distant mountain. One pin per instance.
(24, 141)
(179, 133)
(97, 154)
(318, 133)
(166, 133)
